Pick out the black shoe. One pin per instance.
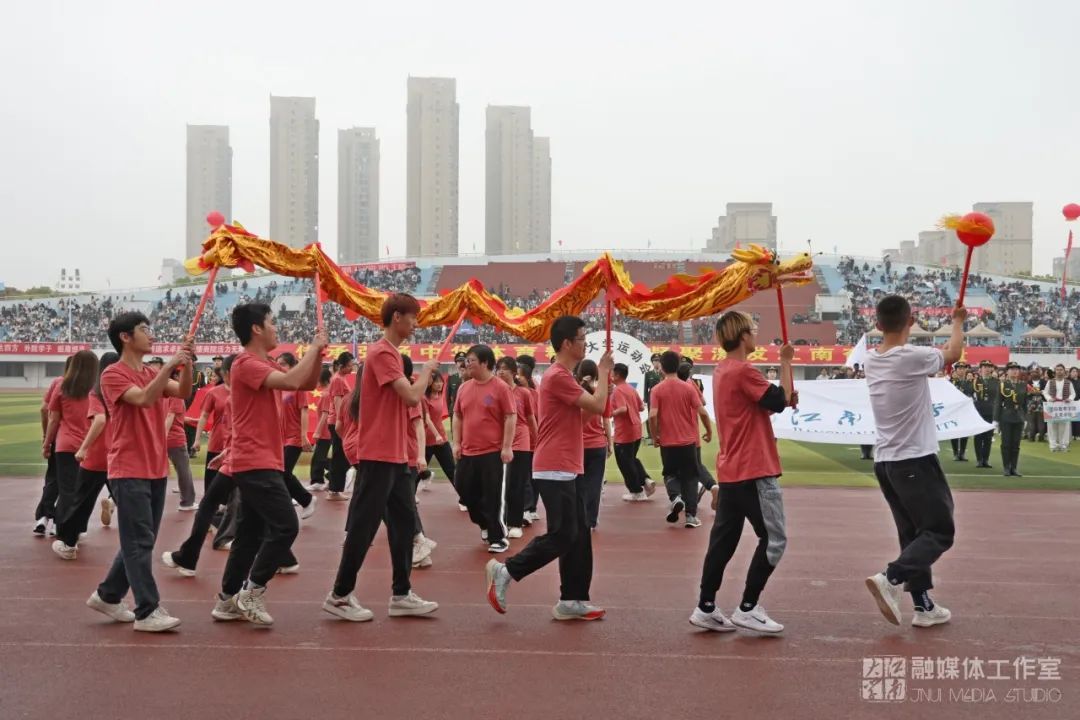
(988, 465)
(677, 506)
(955, 457)
(962, 459)
(866, 457)
(1016, 474)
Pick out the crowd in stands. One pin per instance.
(1013, 299)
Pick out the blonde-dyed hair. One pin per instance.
(731, 327)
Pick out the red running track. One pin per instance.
(1011, 582)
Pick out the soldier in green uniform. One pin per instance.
(960, 381)
(652, 379)
(452, 385)
(1009, 414)
(985, 391)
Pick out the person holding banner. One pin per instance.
(1059, 389)
(1009, 414)
(905, 458)
(985, 390)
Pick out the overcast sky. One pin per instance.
(862, 122)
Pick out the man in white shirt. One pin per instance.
(905, 458)
(1059, 389)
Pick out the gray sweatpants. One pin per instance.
(182, 462)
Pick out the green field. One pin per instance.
(804, 463)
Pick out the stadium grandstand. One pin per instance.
(835, 309)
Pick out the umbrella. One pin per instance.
(1043, 333)
(943, 331)
(919, 332)
(981, 331)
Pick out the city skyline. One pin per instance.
(656, 125)
(358, 195)
(209, 181)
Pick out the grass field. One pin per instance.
(804, 463)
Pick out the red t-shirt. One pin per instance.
(216, 406)
(137, 449)
(483, 408)
(743, 426)
(348, 429)
(176, 437)
(97, 455)
(54, 388)
(535, 403)
(339, 388)
(676, 404)
(324, 406)
(628, 424)
(592, 428)
(523, 408)
(73, 423)
(383, 439)
(256, 422)
(293, 405)
(435, 407)
(560, 438)
(411, 443)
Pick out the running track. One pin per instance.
(1011, 580)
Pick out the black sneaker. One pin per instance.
(677, 506)
(498, 546)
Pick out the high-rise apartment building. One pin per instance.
(294, 171)
(209, 181)
(358, 195)
(431, 224)
(541, 204)
(745, 223)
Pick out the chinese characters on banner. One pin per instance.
(831, 356)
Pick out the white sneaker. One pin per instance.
(577, 610)
(332, 496)
(289, 569)
(497, 580)
(347, 608)
(462, 508)
(498, 546)
(107, 507)
(427, 541)
(167, 558)
(534, 516)
(757, 620)
(674, 509)
(252, 605)
(50, 528)
(188, 508)
(117, 611)
(39, 526)
(411, 604)
(635, 497)
(714, 504)
(928, 618)
(158, 621)
(887, 597)
(316, 487)
(715, 621)
(514, 532)
(350, 478)
(425, 563)
(227, 546)
(64, 550)
(309, 510)
(692, 521)
(226, 610)
(650, 487)
(420, 551)
(425, 485)
(483, 535)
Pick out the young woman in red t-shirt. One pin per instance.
(323, 441)
(519, 474)
(294, 420)
(436, 440)
(526, 365)
(68, 423)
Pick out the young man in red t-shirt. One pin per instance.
(558, 464)
(268, 524)
(748, 471)
(383, 487)
(676, 407)
(626, 411)
(519, 474)
(136, 398)
(215, 414)
(321, 435)
(484, 421)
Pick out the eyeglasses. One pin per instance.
(145, 328)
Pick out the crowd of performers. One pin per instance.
(510, 445)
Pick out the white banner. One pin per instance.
(1062, 411)
(838, 412)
